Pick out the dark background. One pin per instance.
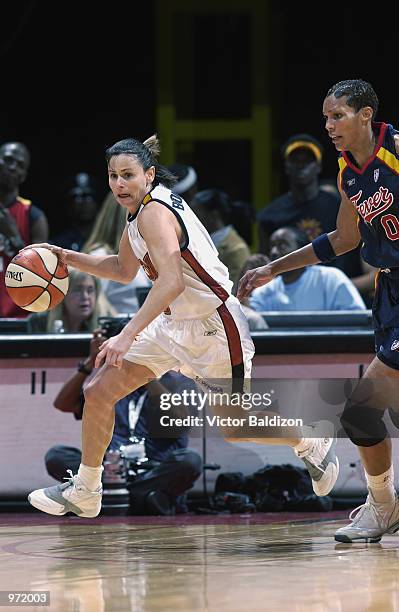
(77, 77)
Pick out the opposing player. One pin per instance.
(189, 321)
(368, 180)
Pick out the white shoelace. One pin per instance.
(70, 477)
(72, 480)
(360, 510)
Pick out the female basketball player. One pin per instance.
(368, 181)
(189, 321)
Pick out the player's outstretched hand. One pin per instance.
(252, 279)
(61, 253)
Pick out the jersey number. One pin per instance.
(390, 223)
(176, 201)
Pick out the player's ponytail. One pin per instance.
(153, 145)
(162, 174)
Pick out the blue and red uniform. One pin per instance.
(374, 191)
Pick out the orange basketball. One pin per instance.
(36, 280)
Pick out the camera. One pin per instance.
(112, 326)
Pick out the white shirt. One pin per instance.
(318, 288)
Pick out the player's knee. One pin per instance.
(97, 395)
(91, 391)
(363, 424)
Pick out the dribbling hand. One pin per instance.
(252, 279)
(61, 253)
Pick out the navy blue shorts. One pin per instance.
(386, 317)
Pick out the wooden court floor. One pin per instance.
(228, 563)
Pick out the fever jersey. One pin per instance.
(206, 278)
(374, 191)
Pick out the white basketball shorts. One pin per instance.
(218, 347)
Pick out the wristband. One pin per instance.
(323, 249)
(83, 369)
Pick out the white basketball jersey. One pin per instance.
(206, 278)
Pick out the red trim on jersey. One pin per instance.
(383, 129)
(235, 348)
(204, 276)
(233, 335)
(230, 327)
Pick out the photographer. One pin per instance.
(172, 467)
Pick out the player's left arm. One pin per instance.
(162, 233)
(346, 236)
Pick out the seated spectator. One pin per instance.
(187, 181)
(213, 209)
(82, 203)
(311, 205)
(78, 311)
(104, 240)
(173, 468)
(255, 320)
(21, 222)
(312, 288)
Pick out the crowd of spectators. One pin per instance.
(94, 224)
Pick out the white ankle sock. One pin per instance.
(90, 476)
(382, 486)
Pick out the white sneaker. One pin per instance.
(72, 496)
(320, 458)
(370, 521)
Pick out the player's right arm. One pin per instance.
(344, 238)
(347, 236)
(122, 267)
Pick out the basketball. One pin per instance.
(36, 280)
